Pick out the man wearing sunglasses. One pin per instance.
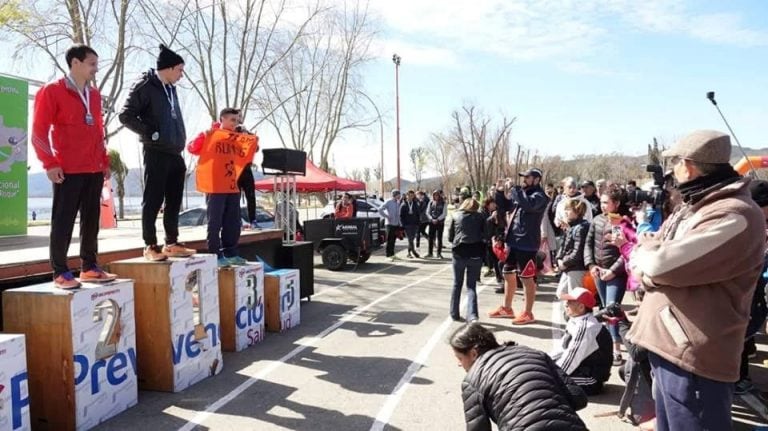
(699, 272)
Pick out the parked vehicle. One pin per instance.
(199, 217)
(364, 208)
(339, 241)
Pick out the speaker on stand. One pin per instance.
(286, 164)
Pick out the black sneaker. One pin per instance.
(416, 253)
(429, 256)
(743, 386)
(409, 256)
(499, 289)
(439, 256)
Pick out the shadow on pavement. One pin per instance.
(270, 402)
(400, 317)
(370, 330)
(362, 374)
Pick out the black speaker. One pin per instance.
(284, 161)
(301, 256)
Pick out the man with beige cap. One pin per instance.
(699, 272)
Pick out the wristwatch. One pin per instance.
(155, 136)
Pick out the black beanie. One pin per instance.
(168, 58)
(759, 191)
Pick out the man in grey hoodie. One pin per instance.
(390, 210)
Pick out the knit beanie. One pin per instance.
(167, 58)
(759, 191)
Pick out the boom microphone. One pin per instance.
(711, 97)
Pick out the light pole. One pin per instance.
(381, 128)
(396, 59)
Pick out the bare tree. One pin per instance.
(356, 174)
(232, 47)
(442, 153)
(367, 174)
(480, 144)
(103, 25)
(418, 158)
(312, 97)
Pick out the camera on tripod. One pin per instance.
(658, 193)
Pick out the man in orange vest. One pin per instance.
(223, 156)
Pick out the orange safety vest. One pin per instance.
(223, 157)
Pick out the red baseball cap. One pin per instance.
(580, 294)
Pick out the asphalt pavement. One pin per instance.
(370, 353)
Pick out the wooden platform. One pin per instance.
(26, 256)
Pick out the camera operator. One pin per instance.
(699, 273)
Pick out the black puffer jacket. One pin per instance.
(147, 111)
(520, 388)
(599, 251)
(572, 250)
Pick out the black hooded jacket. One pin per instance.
(147, 110)
(520, 388)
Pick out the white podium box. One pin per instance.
(14, 390)
(241, 305)
(81, 347)
(281, 290)
(177, 320)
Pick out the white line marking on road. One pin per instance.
(200, 417)
(385, 414)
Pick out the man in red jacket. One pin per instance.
(68, 138)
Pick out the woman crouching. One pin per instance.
(514, 386)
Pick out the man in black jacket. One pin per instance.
(525, 207)
(153, 112)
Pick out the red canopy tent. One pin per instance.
(316, 180)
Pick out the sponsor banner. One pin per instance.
(13, 156)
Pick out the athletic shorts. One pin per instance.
(521, 262)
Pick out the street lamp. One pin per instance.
(396, 59)
(381, 127)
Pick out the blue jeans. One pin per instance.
(685, 401)
(612, 292)
(471, 266)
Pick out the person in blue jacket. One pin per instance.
(524, 205)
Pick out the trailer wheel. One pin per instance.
(334, 257)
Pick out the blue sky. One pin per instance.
(583, 76)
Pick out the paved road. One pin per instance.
(370, 354)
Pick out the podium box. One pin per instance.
(241, 305)
(14, 395)
(81, 350)
(281, 293)
(177, 320)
